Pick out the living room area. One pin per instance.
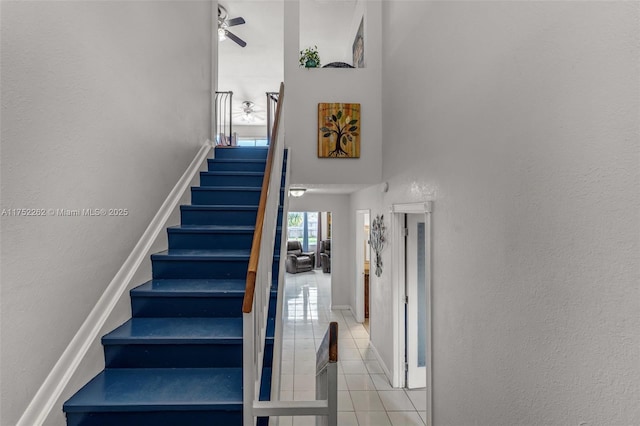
(308, 242)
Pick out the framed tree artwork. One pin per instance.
(338, 130)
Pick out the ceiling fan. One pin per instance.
(249, 113)
(224, 22)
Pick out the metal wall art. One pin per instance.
(378, 240)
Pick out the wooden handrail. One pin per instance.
(328, 350)
(247, 303)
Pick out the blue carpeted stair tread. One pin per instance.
(218, 207)
(227, 188)
(176, 330)
(242, 152)
(191, 288)
(211, 228)
(231, 173)
(149, 389)
(212, 254)
(214, 228)
(238, 160)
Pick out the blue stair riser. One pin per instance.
(222, 165)
(207, 215)
(230, 179)
(224, 355)
(169, 268)
(186, 307)
(241, 153)
(157, 418)
(201, 215)
(195, 239)
(225, 196)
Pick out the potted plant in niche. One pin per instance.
(309, 57)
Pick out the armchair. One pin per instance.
(297, 260)
(325, 255)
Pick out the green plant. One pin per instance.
(294, 219)
(309, 57)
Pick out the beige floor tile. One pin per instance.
(366, 401)
(405, 418)
(371, 418)
(344, 401)
(396, 400)
(347, 419)
(419, 398)
(304, 421)
(359, 382)
(285, 421)
(342, 382)
(353, 367)
(373, 367)
(362, 343)
(365, 396)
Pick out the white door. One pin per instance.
(416, 336)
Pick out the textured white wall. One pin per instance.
(308, 87)
(103, 106)
(341, 236)
(521, 121)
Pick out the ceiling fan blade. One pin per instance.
(235, 38)
(235, 21)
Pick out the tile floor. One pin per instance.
(365, 396)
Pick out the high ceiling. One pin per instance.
(251, 71)
(330, 25)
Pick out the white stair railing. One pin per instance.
(256, 305)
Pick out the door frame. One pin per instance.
(414, 305)
(398, 212)
(359, 256)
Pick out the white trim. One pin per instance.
(383, 365)
(409, 208)
(397, 273)
(359, 270)
(213, 69)
(38, 409)
(398, 295)
(341, 308)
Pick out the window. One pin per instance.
(303, 227)
(252, 142)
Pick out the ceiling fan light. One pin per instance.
(222, 34)
(297, 192)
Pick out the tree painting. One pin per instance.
(338, 130)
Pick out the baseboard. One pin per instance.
(341, 308)
(384, 367)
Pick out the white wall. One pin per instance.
(341, 236)
(327, 26)
(520, 121)
(380, 290)
(305, 88)
(103, 106)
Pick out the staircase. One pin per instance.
(178, 360)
